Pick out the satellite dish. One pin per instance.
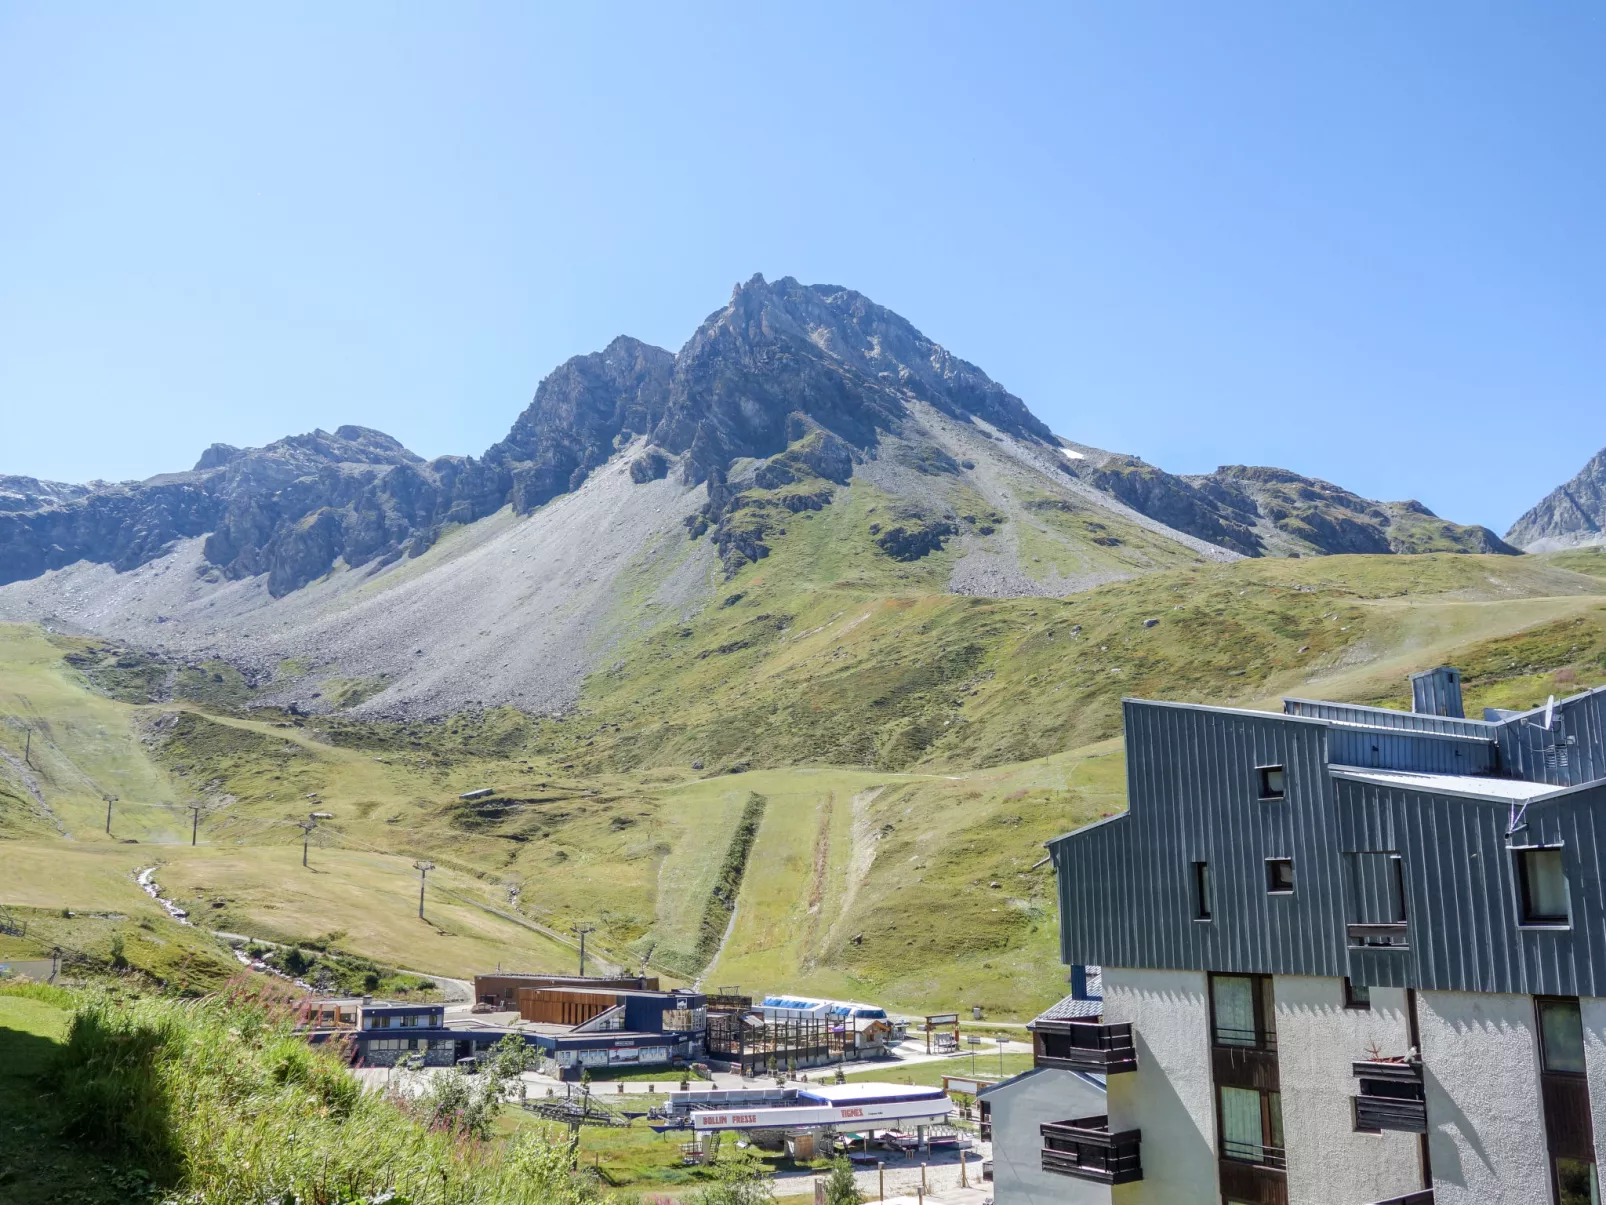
(1550, 711)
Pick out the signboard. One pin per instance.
(858, 1116)
(942, 1019)
(968, 1084)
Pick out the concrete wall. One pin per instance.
(1593, 1010)
(1317, 1040)
(1018, 1107)
(1486, 1131)
(1170, 1096)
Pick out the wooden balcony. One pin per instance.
(1084, 1046)
(1392, 1097)
(1253, 1175)
(1084, 1147)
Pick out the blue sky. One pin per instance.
(1362, 241)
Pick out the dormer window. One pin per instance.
(1542, 885)
(1271, 782)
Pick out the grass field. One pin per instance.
(37, 1167)
(930, 1073)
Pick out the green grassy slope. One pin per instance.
(912, 749)
(794, 668)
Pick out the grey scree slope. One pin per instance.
(516, 609)
(506, 610)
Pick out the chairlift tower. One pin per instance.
(423, 869)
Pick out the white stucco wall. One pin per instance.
(1018, 1107)
(1169, 1097)
(1593, 1010)
(1486, 1135)
(1317, 1040)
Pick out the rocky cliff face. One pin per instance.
(288, 510)
(583, 413)
(1569, 516)
(849, 366)
(1262, 511)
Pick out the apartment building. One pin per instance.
(1351, 955)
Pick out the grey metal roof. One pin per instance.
(1478, 785)
(1071, 1009)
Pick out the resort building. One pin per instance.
(1349, 955)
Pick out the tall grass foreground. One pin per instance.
(222, 1101)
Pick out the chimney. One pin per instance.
(1437, 692)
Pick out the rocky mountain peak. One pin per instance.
(1569, 516)
(826, 352)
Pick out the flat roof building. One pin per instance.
(1350, 955)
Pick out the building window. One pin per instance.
(1576, 1183)
(1243, 1012)
(1201, 891)
(1251, 1126)
(1356, 995)
(1280, 876)
(1561, 1035)
(1271, 782)
(1542, 885)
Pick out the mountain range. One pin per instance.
(342, 570)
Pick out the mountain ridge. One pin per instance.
(635, 483)
(1573, 515)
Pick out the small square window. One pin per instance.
(1542, 886)
(1271, 782)
(1357, 995)
(1280, 876)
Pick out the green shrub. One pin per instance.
(222, 1102)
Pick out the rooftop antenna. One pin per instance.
(1519, 818)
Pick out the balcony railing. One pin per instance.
(1246, 1039)
(1392, 1096)
(1085, 1046)
(1258, 1153)
(1392, 936)
(1084, 1147)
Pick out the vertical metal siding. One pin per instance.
(1386, 717)
(1193, 787)
(1422, 753)
(1126, 885)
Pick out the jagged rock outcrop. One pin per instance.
(824, 352)
(289, 510)
(588, 408)
(1261, 511)
(1570, 516)
(1174, 501)
(120, 525)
